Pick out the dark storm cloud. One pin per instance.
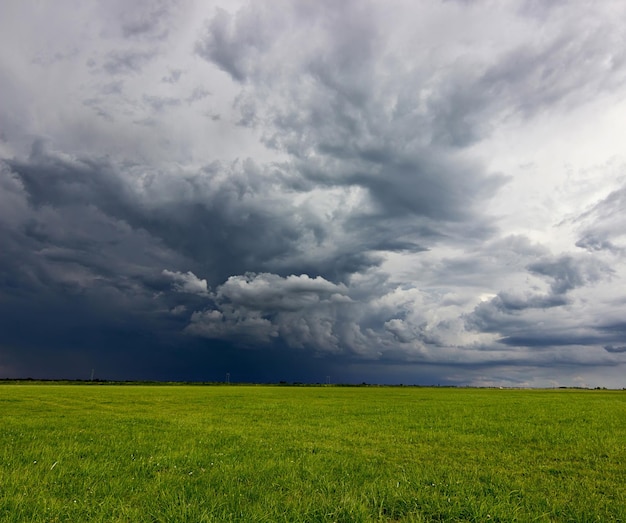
(62, 180)
(547, 339)
(185, 225)
(346, 226)
(81, 288)
(334, 116)
(63, 240)
(614, 328)
(224, 220)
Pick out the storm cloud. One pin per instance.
(406, 192)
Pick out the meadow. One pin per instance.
(131, 453)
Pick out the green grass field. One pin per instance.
(245, 453)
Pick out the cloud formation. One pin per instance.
(187, 282)
(412, 192)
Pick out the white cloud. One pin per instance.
(187, 282)
(271, 292)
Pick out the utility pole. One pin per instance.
(228, 378)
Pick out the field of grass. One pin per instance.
(244, 453)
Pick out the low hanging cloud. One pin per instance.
(540, 319)
(565, 273)
(187, 282)
(272, 292)
(313, 313)
(257, 308)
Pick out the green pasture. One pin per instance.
(259, 453)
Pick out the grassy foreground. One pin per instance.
(192, 454)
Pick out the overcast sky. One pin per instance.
(428, 192)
